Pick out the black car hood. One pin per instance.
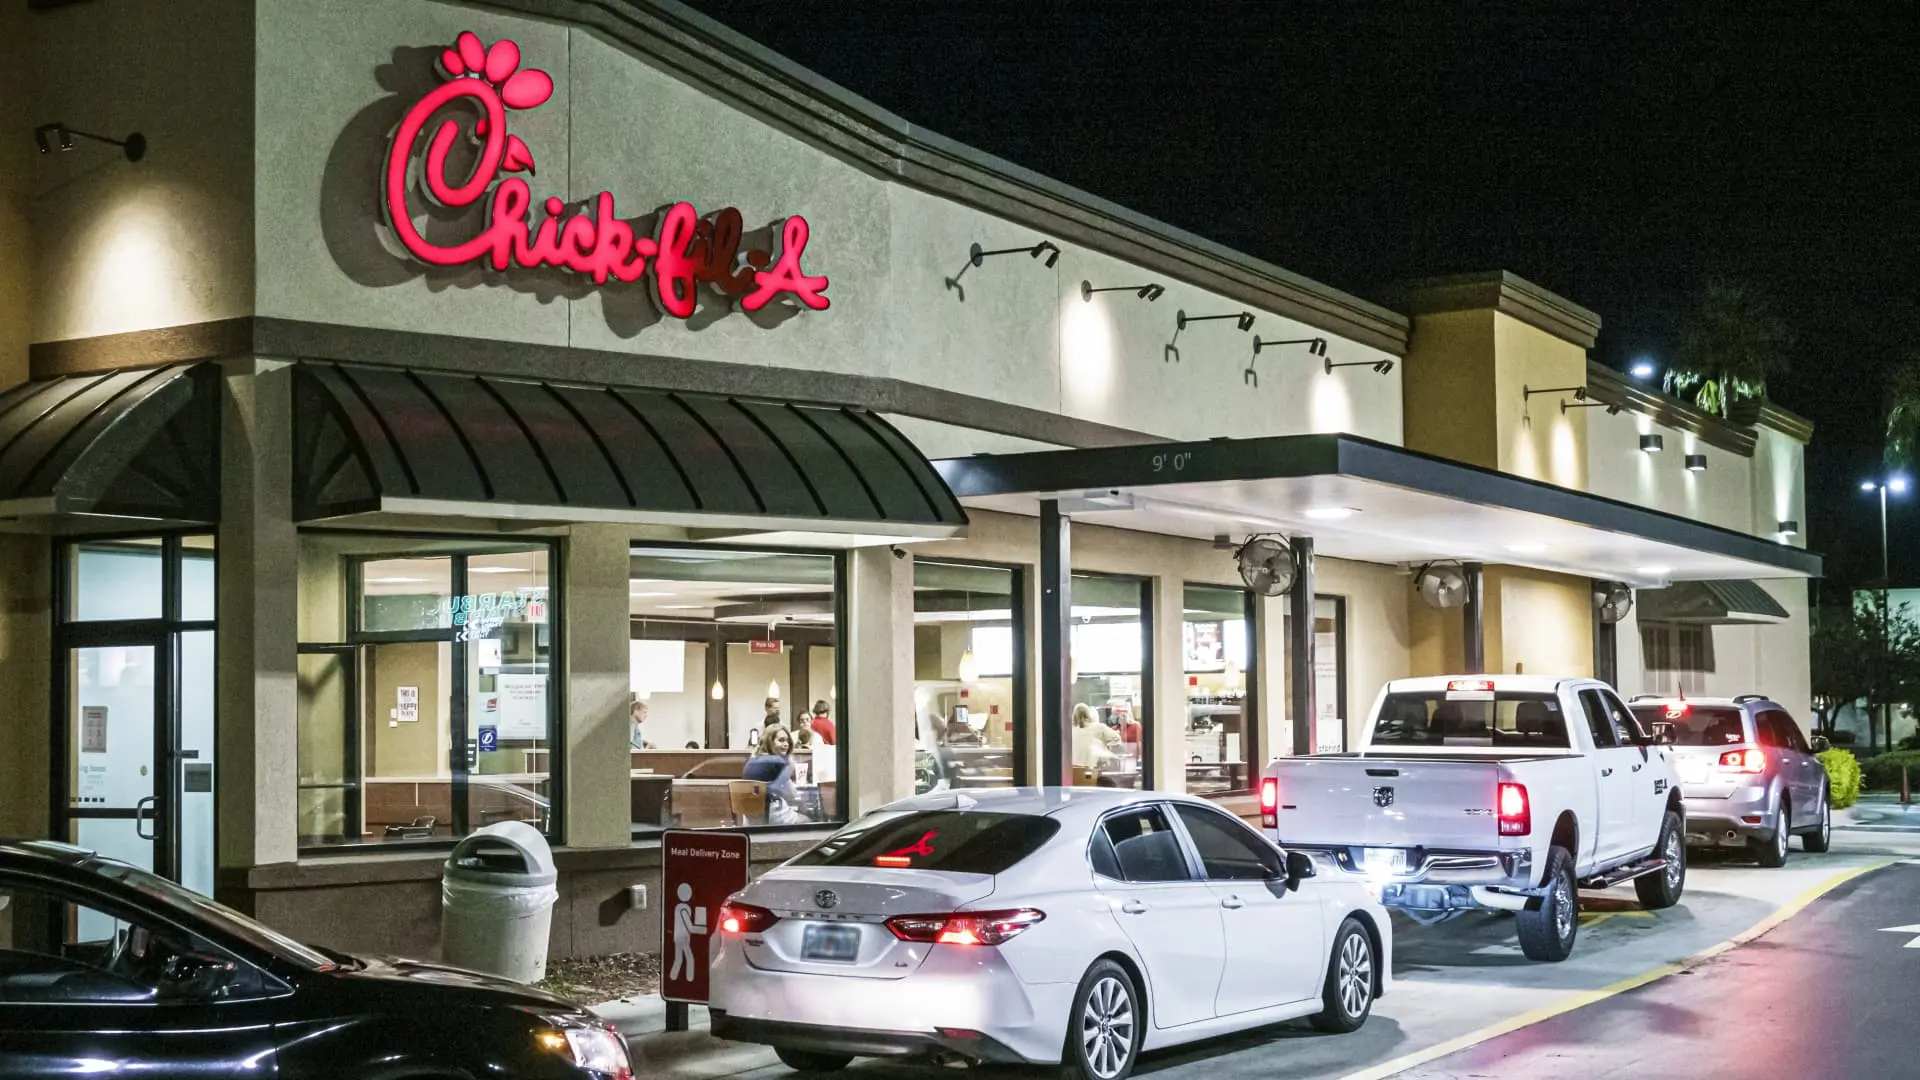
(480, 988)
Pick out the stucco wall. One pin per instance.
(1774, 659)
(1721, 495)
(1449, 387)
(125, 246)
(1538, 439)
(17, 176)
(334, 78)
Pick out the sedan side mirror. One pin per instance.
(1299, 867)
(1821, 744)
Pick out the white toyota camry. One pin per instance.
(1055, 925)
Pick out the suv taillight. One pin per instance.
(738, 918)
(1744, 761)
(964, 927)
(1270, 802)
(1516, 817)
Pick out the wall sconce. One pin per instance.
(1149, 292)
(1787, 527)
(1243, 320)
(1580, 402)
(977, 255)
(1653, 444)
(58, 136)
(1315, 347)
(1380, 367)
(1696, 463)
(1579, 392)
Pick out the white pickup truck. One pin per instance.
(1504, 792)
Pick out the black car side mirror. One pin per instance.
(1821, 744)
(1299, 867)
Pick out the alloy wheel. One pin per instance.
(1781, 837)
(1826, 821)
(1356, 974)
(1106, 1027)
(1674, 854)
(1563, 909)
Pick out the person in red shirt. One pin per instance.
(822, 724)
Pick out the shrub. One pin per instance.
(1843, 777)
(1882, 773)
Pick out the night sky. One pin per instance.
(1615, 154)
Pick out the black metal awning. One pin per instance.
(1370, 501)
(392, 440)
(139, 443)
(1710, 602)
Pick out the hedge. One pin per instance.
(1882, 773)
(1843, 777)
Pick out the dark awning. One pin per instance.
(1369, 501)
(138, 443)
(374, 440)
(1710, 602)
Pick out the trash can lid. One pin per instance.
(508, 851)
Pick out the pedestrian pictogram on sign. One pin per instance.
(699, 870)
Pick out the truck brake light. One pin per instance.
(1270, 802)
(1458, 686)
(1744, 761)
(1516, 817)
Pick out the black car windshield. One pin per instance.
(219, 915)
(1472, 717)
(949, 840)
(1694, 725)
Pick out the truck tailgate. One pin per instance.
(1388, 802)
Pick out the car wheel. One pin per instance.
(1347, 995)
(1662, 889)
(1105, 1027)
(1772, 850)
(811, 1061)
(1547, 931)
(1821, 838)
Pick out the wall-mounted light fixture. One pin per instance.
(1380, 367)
(1653, 444)
(1696, 463)
(1787, 527)
(58, 136)
(1580, 402)
(1315, 347)
(1527, 392)
(977, 255)
(1149, 292)
(1243, 320)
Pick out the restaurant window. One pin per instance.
(1677, 657)
(968, 677)
(1217, 642)
(1112, 667)
(426, 687)
(1329, 731)
(734, 707)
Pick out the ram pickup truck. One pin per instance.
(1505, 792)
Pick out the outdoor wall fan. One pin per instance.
(1612, 599)
(1441, 586)
(1266, 565)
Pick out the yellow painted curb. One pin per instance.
(1587, 997)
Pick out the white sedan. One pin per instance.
(1055, 925)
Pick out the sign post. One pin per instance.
(699, 869)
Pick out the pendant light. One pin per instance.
(718, 693)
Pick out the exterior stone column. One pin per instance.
(1270, 673)
(597, 803)
(257, 763)
(878, 726)
(1169, 764)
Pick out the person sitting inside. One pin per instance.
(773, 766)
(1095, 745)
(821, 723)
(636, 717)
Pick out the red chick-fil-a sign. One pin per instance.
(685, 251)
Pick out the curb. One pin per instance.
(1587, 997)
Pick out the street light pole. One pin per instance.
(1897, 485)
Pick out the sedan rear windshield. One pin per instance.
(1694, 725)
(1445, 718)
(949, 840)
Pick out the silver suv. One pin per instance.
(1747, 775)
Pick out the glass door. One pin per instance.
(113, 701)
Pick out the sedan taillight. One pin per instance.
(964, 927)
(738, 918)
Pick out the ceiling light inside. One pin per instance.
(1330, 513)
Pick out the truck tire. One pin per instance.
(1547, 933)
(1771, 851)
(811, 1061)
(1662, 888)
(1820, 839)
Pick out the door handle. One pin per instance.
(141, 813)
(1606, 772)
(1134, 907)
(1233, 903)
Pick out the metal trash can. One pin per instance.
(497, 900)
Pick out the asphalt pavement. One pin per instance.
(1827, 994)
(1463, 987)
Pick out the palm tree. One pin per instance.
(1903, 415)
(1729, 345)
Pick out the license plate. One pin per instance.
(1384, 860)
(1693, 772)
(836, 944)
